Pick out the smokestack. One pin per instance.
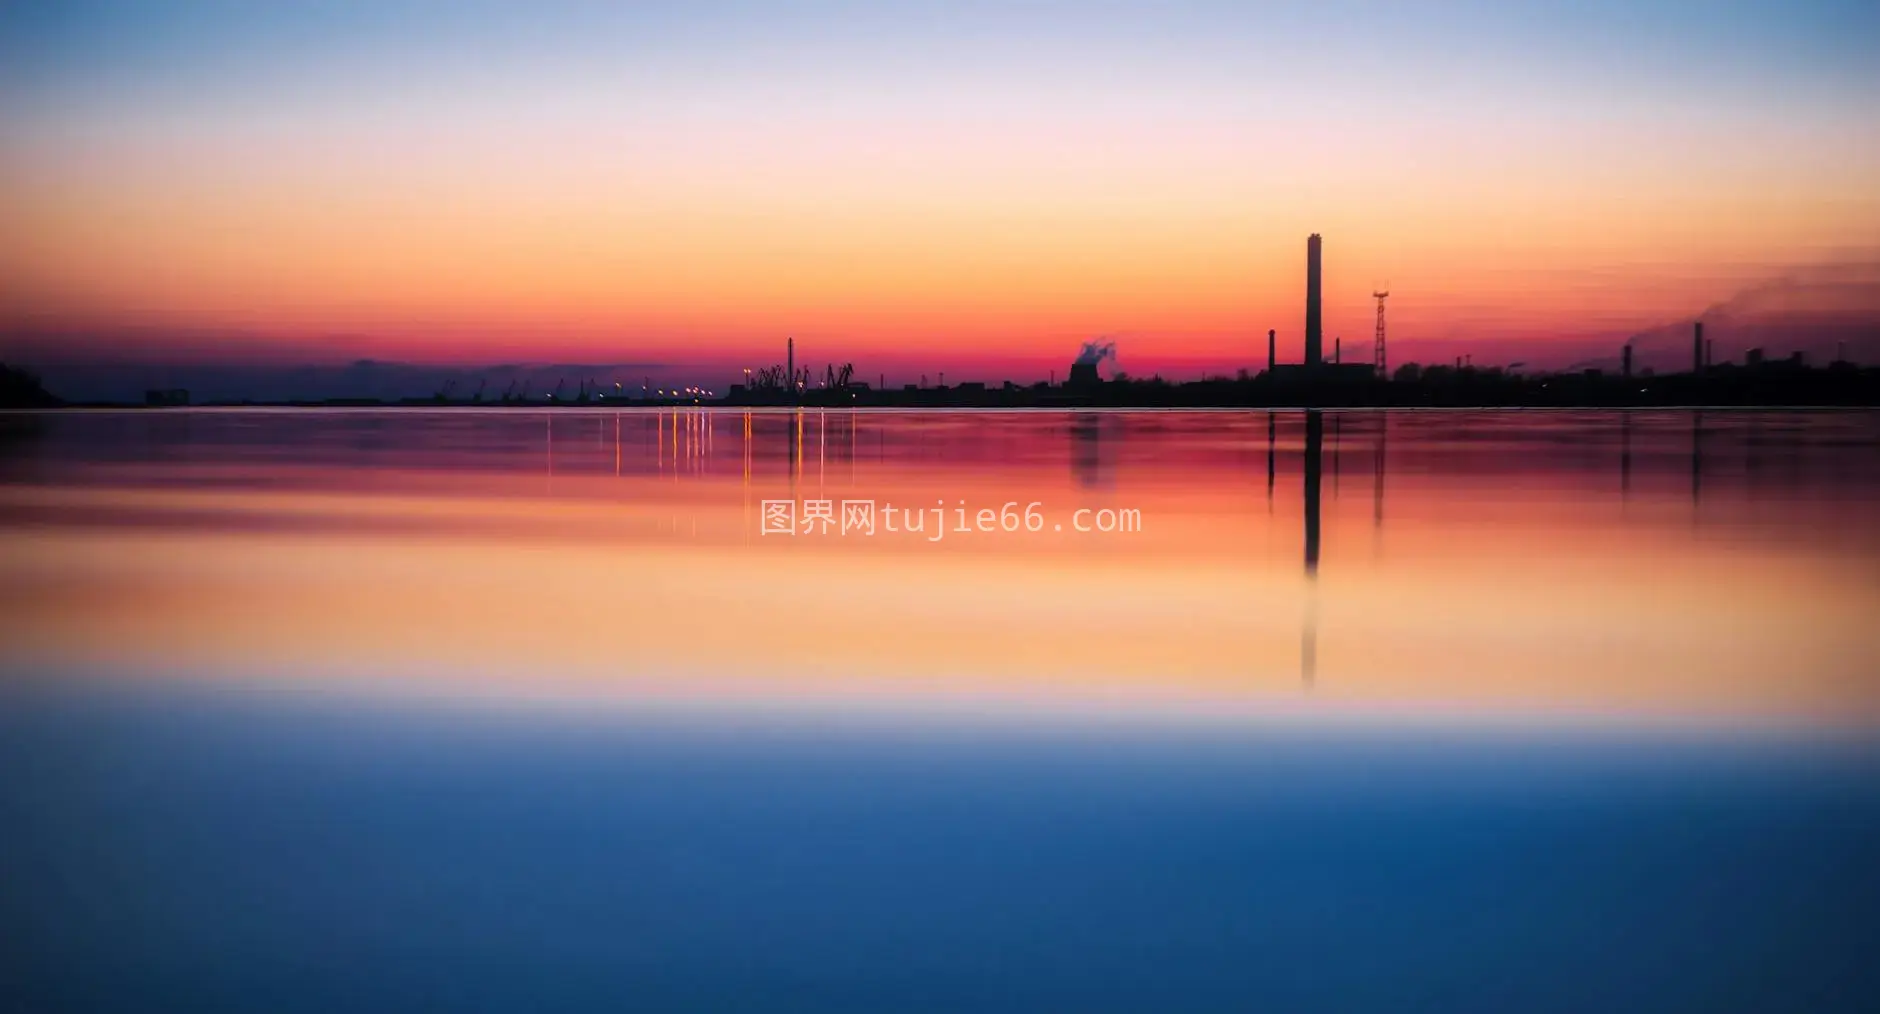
(1697, 347)
(1271, 348)
(1314, 340)
(1338, 350)
(1627, 368)
(792, 367)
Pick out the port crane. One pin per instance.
(838, 379)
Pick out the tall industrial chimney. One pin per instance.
(1314, 340)
(791, 379)
(1338, 350)
(1272, 349)
(1697, 347)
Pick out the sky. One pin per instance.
(913, 187)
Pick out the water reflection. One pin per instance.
(1377, 471)
(1697, 461)
(618, 556)
(1272, 425)
(1309, 637)
(1625, 456)
(559, 544)
(1092, 457)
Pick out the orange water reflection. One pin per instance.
(1646, 563)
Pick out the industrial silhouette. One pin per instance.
(1312, 382)
(1379, 361)
(1314, 285)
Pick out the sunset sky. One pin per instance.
(949, 186)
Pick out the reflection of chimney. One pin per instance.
(1309, 634)
(1625, 452)
(1697, 347)
(1270, 473)
(1271, 347)
(1314, 340)
(1315, 441)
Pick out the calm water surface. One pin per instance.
(520, 710)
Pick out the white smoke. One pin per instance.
(1096, 351)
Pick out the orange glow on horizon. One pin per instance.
(887, 254)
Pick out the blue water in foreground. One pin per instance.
(208, 852)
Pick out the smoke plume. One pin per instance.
(1096, 351)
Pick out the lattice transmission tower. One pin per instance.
(1380, 362)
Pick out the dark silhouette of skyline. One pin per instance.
(1777, 334)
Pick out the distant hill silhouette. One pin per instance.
(21, 389)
